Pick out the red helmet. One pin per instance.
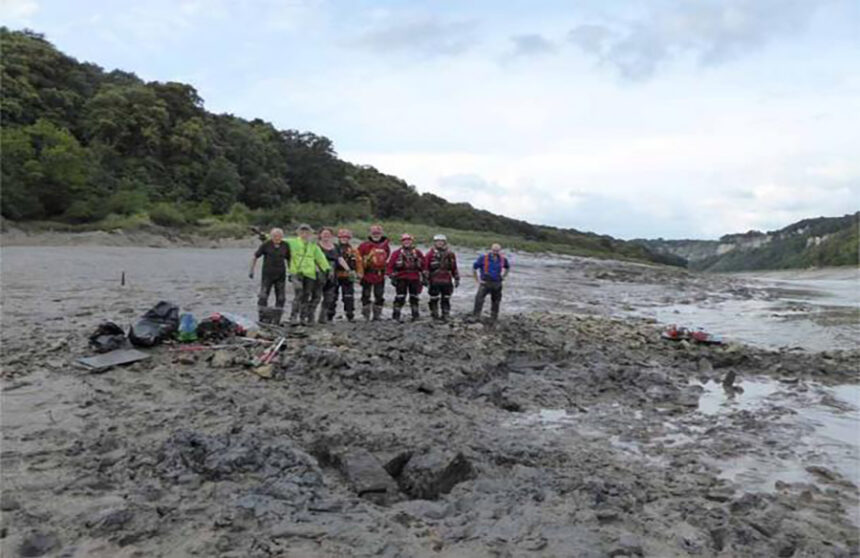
(344, 233)
(406, 236)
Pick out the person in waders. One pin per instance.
(405, 269)
(308, 264)
(490, 271)
(374, 254)
(350, 269)
(327, 285)
(275, 253)
(441, 276)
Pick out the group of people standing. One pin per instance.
(324, 271)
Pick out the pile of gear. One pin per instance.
(163, 323)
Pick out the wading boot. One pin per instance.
(350, 317)
(377, 313)
(434, 310)
(395, 314)
(365, 312)
(415, 313)
(446, 315)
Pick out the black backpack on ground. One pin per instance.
(158, 324)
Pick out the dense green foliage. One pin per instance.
(82, 145)
(795, 246)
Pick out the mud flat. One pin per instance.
(557, 433)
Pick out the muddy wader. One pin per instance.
(494, 289)
(328, 285)
(492, 268)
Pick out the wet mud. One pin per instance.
(569, 432)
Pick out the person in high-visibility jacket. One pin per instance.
(305, 257)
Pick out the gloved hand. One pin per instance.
(456, 282)
(251, 275)
(425, 281)
(393, 282)
(289, 278)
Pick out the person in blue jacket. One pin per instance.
(490, 271)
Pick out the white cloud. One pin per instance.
(18, 11)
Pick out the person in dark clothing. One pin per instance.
(374, 254)
(405, 269)
(327, 285)
(442, 276)
(493, 268)
(346, 275)
(275, 253)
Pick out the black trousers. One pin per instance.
(344, 289)
(266, 314)
(376, 291)
(404, 287)
(494, 289)
(440, 294)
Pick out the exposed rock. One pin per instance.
(265, 371)
(428, 475)
(8, 502)
(221, 358)
(38, 543)
(367, 476)
(627, 545)
(186, 357)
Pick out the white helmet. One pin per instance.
(440, 237)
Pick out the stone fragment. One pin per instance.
(222, 359)
(290, 529)
(8, 502)
(186, 358)
(627, 544)
(431, 474)
(37, 543)
(367, 476)
(264, 371)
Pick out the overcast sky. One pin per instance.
(637, 119)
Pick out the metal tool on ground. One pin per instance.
(269, 354)
(244, 342)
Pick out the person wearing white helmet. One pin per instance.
(441, 276)
(405, 269)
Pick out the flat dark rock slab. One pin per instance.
(366, 475)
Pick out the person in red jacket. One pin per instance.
(442, 276)
(374, 254)
(405, 267)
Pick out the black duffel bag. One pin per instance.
(107, 337)
(158, 324)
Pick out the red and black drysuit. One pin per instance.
(374, 255)
(405, 268)
(345, 288)
(440, 269)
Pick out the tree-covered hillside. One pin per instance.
(81, 145)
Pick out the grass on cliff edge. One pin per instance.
(216, 228)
